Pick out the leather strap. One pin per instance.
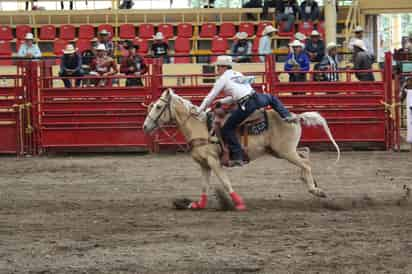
(198, 142)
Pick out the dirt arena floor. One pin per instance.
(114, 214)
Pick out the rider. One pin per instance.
(238, 89)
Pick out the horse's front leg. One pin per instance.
(205, 187)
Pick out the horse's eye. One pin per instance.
(158, 107)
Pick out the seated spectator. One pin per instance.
(330, 63)
(160, 48)
(309, 11)
(103, 38)
(315, 47)
(29, 49)
(286, 10)
(362, 60)
(299, 36)
(88, 56)
(133, 64)
(242, 48)
(103, 65)
(297, 60)
(267, 4)
(265, 42)
(70, 65)
(251, 5)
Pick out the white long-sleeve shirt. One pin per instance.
(234, 85)
(264, 47)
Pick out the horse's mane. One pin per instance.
(186, 103)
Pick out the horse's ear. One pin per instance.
(167, 92)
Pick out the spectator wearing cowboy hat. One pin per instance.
(265, 42)
(160, 48)
(330, 63)
(287, 10)
(297, 60)
(309, 11)
(104, 38)
(70, 65)
(299, 36)
(133, 64)
(362, 60)
(29, 49)
(315, 47)
(241, 48)
(359, 36)
(103, 65)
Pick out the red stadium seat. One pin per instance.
(261, 27)
(59, 46)
(219, 47)
(227, 30)
(86, 32)
(146, 31)
(167, 30)
(18, 44)
(185, 30)
(5, 51)
(21, 31)
(305, 28)
(143, 46)
(6, 33)
(83, 44)
(208, 30)
(47, 32)
(67, 32)
(249, 28)
(182, 47)
(281, 28)
(127, 31)
(107, 27)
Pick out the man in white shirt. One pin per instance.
(29, 49)
(265, 42)
(238, 89)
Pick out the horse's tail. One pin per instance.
(313, 119)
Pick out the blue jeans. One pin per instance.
(239, 115)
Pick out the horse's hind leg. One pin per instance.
(206, 172)
(304, 164)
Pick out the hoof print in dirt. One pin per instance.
(182, 203)
(224, 200)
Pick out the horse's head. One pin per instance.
(159, 112)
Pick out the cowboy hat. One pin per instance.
(358, 29)
(224, 60)
(359, 44)
(29, 36)
(241, 35)
(314, 33)
(300, 36)
(158, 36)
(268, 29)
(69, 49)
(104, 32)
(331, 45)
(101, 47)
(296, 43)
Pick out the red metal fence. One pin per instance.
(36, 115)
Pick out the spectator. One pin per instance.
(133, 64)
(242, 48)
(160, 48)
(70, 65)
(252, 4)
(29, 49)
(300, 36)
(330, 63)
(267, 4)
(408, 45)
(265, 42)
(88, 56)
(70, 4)
(309, 11)
(362, 60)
(103, 65)
(358, 36)
(32, 4)
(315, 47)
(126, 5)
(103, 38)
(297, 60)
(287, 11)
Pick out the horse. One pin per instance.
(279, 140)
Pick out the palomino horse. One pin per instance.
(280, 139)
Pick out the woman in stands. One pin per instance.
(29, 49)
(242, 48)
(103, 65)
(133, 64)
(160, 48)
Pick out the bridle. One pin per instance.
(167, 102)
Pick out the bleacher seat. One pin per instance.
(167, 30)
(182, 47)
(5, 51)
(21, 31)
(227, 30)
(219, 47)
(261, 26)
(185, 30)
(67, 32)
(107, 27)
(18, 44)
(208, 30)
(59, 46)
(143, 46)
(281, 28)
(305, 28)
(127, 31)
(146, 31)
(86, 32)
(249, 28)
(47, 32)
(6, 33)
(83, 44)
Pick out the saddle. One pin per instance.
(255, 124)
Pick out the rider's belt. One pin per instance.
(242, 101)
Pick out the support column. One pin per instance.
(330, 20)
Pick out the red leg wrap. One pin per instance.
(239, 204)
(201, 204)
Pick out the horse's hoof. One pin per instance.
(240, 208)
(318, 192)
(182, 203)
